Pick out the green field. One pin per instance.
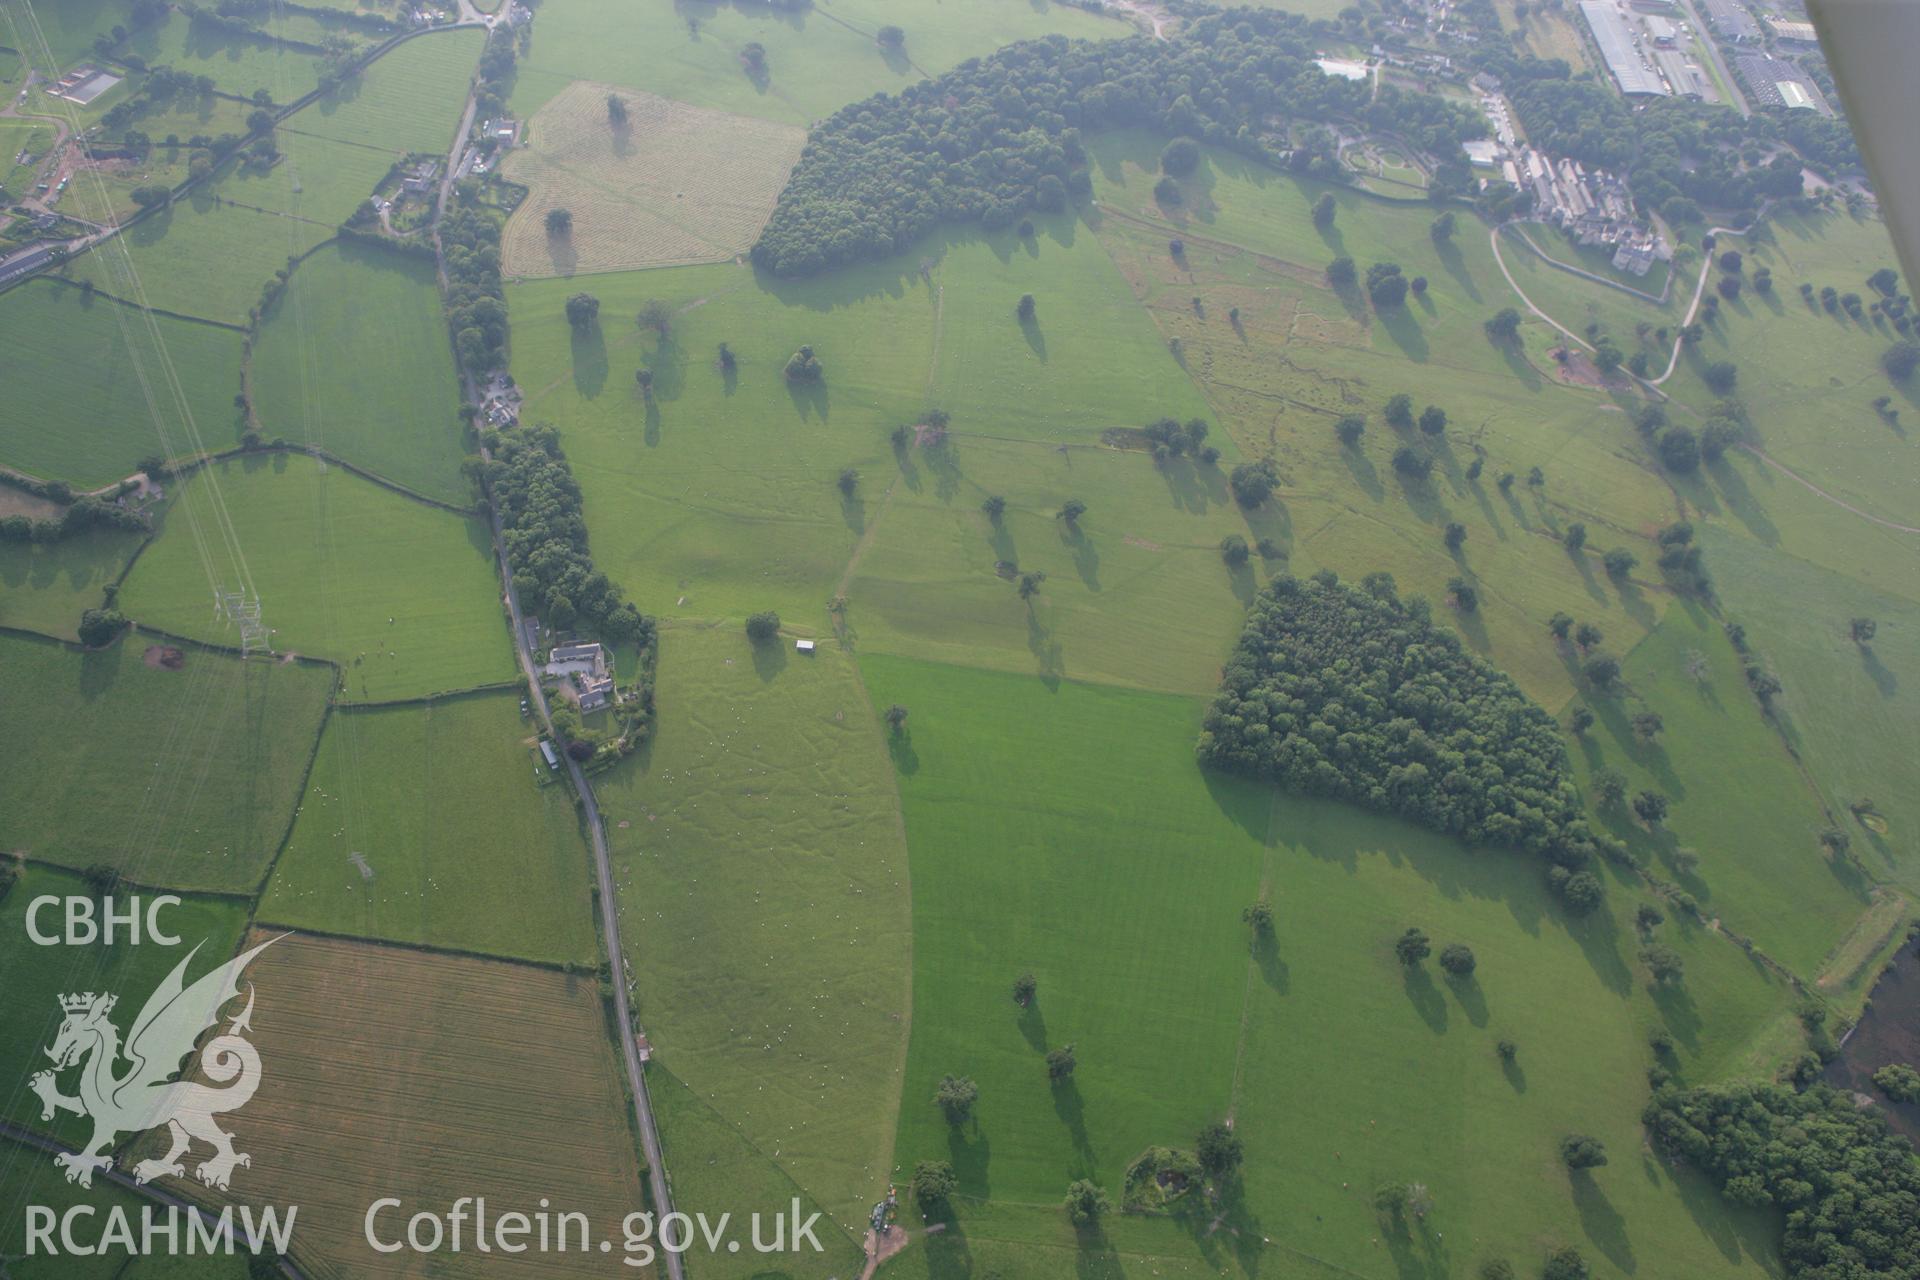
(408, 100)
(1090, 849)
(317, 180)
(238, 65)
(353, 357)
(199, 258)
(37, 976)
(94, 430)
(762, 872)
(817, 60)
(402, 596)
(67, 29)
(465, 851)
(17, 136)
(1847, 707)
(184, 778)
(45, 587)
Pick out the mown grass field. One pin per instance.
(353, 357)
(408, 100)
(184, 778)
(1846, 706)
(464, 850)
(67, 29)
(430, 1077)
(764, 899)
(318, 181)
(816, 61)
(94, 430)
(199, 258)
(1090, 849)
(402, 596)
(38, 976)
(46, 587)
(673, 184)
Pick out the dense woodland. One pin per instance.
(999, 136)
(1848, 1185)
(1353, 693)
(533, 489)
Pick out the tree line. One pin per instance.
(1353, 693)
(1002, 135)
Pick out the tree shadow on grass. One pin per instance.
(1068, 1105)
(1455, 264)
(853, 510)
(810, 399)
(1033, 1025)
(1605, 1226)
(1095, 1258)
(769, 658)
(1364, 473)
(1740, 501)
(589, 348)
(1266, 957)
(970, 1152)
(905, 758)
(1472, 999)
(1425, 997)
(1515, 1073)
(1405, 330)
(1036, 340)
(1048, 655)
(1086, 557)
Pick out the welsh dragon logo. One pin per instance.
(146, 1095)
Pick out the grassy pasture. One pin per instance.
(466, 852)
(38, 976)
(1738, 801)
(503, 1072)
(45, 588)
(408, 100)
(816, 61)
(1846, 707)
(183, 778)
(317, 180)
(93, 430)
(22, 135)
(353, 357)
(68, 28)
(674, 184)
(1317, 1043)
(763, 880)
(401, 595)
(238, 65)
(199, 258)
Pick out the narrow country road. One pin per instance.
(1522, 293)
(590, 807)
(1701, 30)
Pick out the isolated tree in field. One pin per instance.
(1647, 725)
(1651, 807)
(1664, 963)
(1219, 1151)
(1582, 1152)
(616, 110)
(1411, 463)
(847, 481)
(644, 379)
(1259, 917)
(753, 55)
(1609, 787)
(1061, 1062)
(1900, 360)
(933, 1183)
(803, 366)
(896, 717)
(1350, 428)
(1601, 671)
(1731, 261)
(1720, 375)
(1176, 248)
(1418, 284)
(1413, 946)
(1385, 285)
(1566, 1264)
(1862, 630)
(100, 627)
(1647, 918)
(1030, 583)
(1619, 562)
(1323, 210)
(1442, 228)
(1580, 893)
(1580, 721)
(1024, 988)
(657, 315)
(1560, 624)
(1025, 308)
(763, 626)
(1586, 635)
(1508, 1051)
(1457, 959)
(1399, 411)
(1503, 325)
(1086, 1203)
(1575, 537)
(1341, 272)
(559, 222)
(727, 359)
(891, 37)
(956, 1096)
(1180, 157)
(1234, 550)
(1464, 595)
(1433, 420)
(1390, 1201)
(995, 506)
(1607, 358)
(1070, 511)
(1455, 535)
(1254, 482)
(582, 310)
